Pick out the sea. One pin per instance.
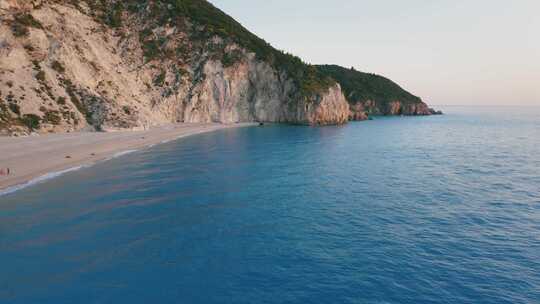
(438, 209)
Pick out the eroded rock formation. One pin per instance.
(75, 65)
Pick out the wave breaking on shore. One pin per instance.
(39, 180)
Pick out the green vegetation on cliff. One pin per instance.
(359, 87)
(208, 21)
(216, 22)
(203, 21)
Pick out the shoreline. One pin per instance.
(34, 159)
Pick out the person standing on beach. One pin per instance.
(5, 172)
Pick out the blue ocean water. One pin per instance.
(442, 209)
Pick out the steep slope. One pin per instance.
(370, 94)
(107, 65)
(68, 65)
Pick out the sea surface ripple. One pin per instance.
(395, 210)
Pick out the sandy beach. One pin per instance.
(32, 157)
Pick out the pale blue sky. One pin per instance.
(447, 52)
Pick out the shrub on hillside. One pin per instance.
(57, 66)
(22, 22)
(31, 121)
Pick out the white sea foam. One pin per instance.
(55, 174)
(52, 175)
(39, 179)
(121, 153)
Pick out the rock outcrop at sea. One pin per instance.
(360, 110)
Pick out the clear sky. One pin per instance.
(446, 51)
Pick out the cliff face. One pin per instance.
(252, 90)
(112, 65)
(62, 70)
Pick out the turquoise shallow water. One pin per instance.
(396, 210)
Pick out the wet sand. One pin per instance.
(32, 157)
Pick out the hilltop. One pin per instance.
(113, 65)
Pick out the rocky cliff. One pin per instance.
(370, 94)
(111, 65)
